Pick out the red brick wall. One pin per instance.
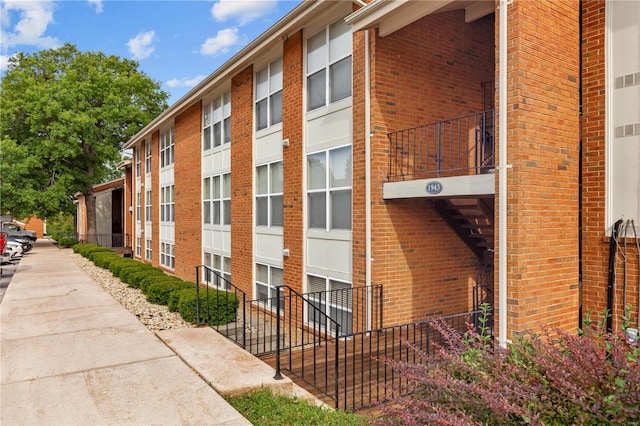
(188, 192)
(155, 204)
(242, 180)
(595, 244)
(543, 138)
(293, 196)
(129, 189)
(428, 71)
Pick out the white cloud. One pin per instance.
(34, 18)
(97, 4)
(242, 10)
(4, 62)
(141, 46)
(185, 82)
(221, 43)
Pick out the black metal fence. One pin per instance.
(365, 379)
(462, 145)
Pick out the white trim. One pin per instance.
(608, 123)
(457, 186)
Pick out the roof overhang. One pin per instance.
(389, 16)
(292, 22)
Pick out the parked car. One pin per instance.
(5, 256)
(13, 229)
(15, 249)
(24, 241)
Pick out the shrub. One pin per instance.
(104, 259)
(218, 309)
(159, 291)
(588, 378)
(67, 242)
(128, 271)
(117, 266)
(84, 249)
(136, 277)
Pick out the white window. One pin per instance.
(147, 249)
(147, 157)
(138, 203)
(329, 65)
(167, 255)
(216, 199)
(269, 195)
(136, 154)
(268, 95)
(138, 246)
(268, 280)
(167, 204)
(166, 148)
(333, 298)
(329, 189)
(147, 205)
(221, 265)
(216, 122)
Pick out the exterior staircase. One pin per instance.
(472, 219)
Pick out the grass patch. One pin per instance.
(263, 408)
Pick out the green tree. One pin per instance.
(64, 117)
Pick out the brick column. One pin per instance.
(293, 195)
(543, 138)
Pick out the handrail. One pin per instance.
(461, 145)
(316, 334)
(228, 287)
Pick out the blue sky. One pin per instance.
(177, 43)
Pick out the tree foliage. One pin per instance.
(64, 116)
(556, 378)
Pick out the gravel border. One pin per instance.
(154, 317)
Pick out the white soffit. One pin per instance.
(391, 15)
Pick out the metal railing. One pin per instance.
(112, 240)
(483, 289)
(215, 284)
(454, 147)
(365, 378)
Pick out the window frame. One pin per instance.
(167, 144)
(217, 112)
(271, 94)
(328, 190)
(218, 201)
(271, 288)
(167, 204)
(270, 196)
(329, 64)
(167, 255)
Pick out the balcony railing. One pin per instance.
(455, 147)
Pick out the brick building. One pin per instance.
(357, 143)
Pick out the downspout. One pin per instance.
(367, 162)
(580, 176)
(367, 139)
(502, 176)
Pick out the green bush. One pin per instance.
(84, 249)
(67, 242)
(135, 278)
(128, 271)
(117, 266)
(159, 291)
(218, 309)
(104, 259)
(152, 279)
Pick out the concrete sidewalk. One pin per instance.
(70, 354)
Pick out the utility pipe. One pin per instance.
(502, 176)
(367, 197)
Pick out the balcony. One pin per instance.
(446, 159)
